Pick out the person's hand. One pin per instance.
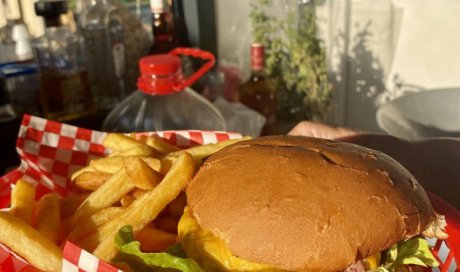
(319, 130)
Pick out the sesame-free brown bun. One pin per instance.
(306, 204)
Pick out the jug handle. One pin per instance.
(196, 53)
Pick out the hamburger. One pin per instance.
(286, 203)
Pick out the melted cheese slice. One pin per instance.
(373, 261)
(210, 251)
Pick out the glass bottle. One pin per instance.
(180, 27)
(259, 92)
(102, 29)
(163, 100)
(180, 34)
(65, 92)
(162, 29)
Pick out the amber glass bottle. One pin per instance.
(65, 88)
(259, 92)
(162, 29)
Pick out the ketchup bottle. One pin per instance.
(163, 100)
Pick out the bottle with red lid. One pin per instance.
(259, 92)
(164, 100)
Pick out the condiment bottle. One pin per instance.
(162, 29)
(170, 31)
(259, 92)
(65, 92)
(163, 100)
(102, 28)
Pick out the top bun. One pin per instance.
(307, 204)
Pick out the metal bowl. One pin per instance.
(425, 114)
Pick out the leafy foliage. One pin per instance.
(295, 59)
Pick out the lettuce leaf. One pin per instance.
(173, 258)
(414, 251)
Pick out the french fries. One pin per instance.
(126, 145)
(145, 209)
(167, 224)
(23, 201)
(203, 151)
(157, 144)
(127, 200)
(107, 194)
(142, 175)
(142, 150)
(140, 184)
(29, 243)
(154, 240)
(71, 203)
(96, 220)
(111, 165)
(90, 181)
(83, 170)
(48, 217)
(120, 142)
(138, 193)
(198, 153)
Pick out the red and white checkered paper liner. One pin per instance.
(50, 152)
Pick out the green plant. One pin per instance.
(295, 59)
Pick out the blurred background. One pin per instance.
(353, 63)
(376, 50)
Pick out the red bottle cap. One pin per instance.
(160, 74)
(160, 65)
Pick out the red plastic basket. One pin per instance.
(50, 151)
(447, 252)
